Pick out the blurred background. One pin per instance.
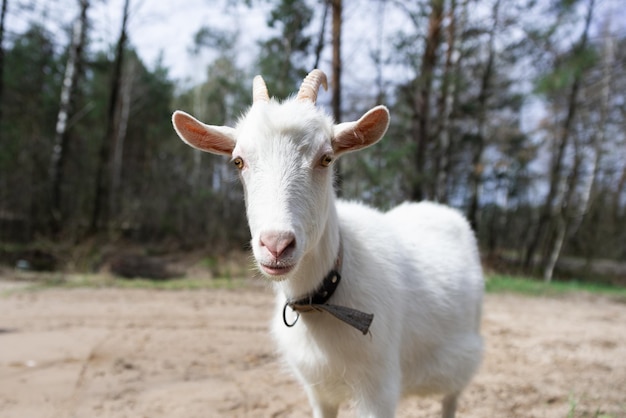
(512, 111)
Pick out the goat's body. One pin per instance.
(417, 269)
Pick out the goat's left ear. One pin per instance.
(352, 136)
(208, 138)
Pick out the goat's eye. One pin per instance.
(238, 162)
(326, 160)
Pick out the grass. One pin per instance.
(527, 286)
(174, 284)
(70, 281)
(573, 405)
(495, 283)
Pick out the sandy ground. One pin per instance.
(148, 353)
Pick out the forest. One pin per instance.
(512, 111)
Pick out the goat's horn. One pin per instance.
(311, 84)
(259, 90)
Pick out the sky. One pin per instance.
(155, 27)
(165, 27)
(168, 28)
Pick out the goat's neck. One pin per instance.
(316, 263)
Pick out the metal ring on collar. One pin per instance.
(285, 316)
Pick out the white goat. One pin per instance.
(415, 268)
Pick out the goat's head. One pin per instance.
(284, 154)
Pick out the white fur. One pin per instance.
(416, 267)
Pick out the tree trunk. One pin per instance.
(483, 96)
(120, 137)
(546, 214)
(377, 54)
(616, 204)
(561, 229)
(421, 123)
(599, 136)
(100, 213)
(3, 13)
(444, 109)
(68, 89)
(336, 80)
(562, 215)
(320, 39)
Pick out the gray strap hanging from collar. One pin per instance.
(353, 317)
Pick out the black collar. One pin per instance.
(317, 301)
(327, 288)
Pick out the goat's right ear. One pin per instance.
(208, 138)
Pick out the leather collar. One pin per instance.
(317, 301)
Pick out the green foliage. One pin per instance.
(171, 193)
(211, 38)
(32, 85)
(494, 284)
(573, 405)
(569, 68)
(283, 58)
(533, 287)
(44, 281)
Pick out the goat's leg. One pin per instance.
(325, 411)
(321, 407)
(380, 399)
(377, 410)
(448, 406)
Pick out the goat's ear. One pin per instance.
(209, 138)
(352, 136)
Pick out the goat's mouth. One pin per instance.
(275, 269)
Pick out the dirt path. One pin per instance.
(140, 353)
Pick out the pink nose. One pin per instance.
(278, 243)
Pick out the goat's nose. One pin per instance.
(278, 243)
